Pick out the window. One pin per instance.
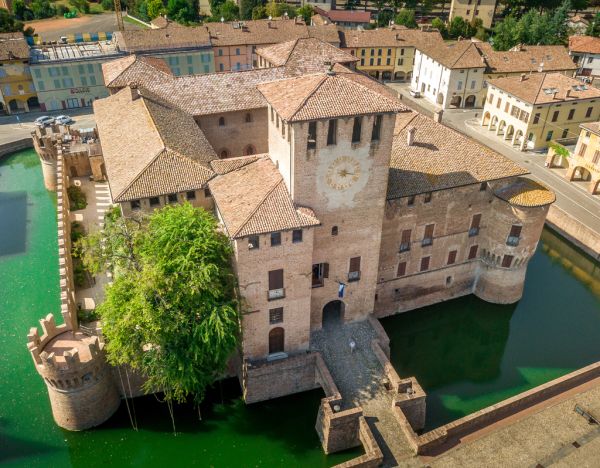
(221, 67)
(401, 51)
(428, 237)
(588, 112)
(427, 198)
(354, 270)
(571, 114)
(371, 61)
(83, 81)
(237, 51)
(549, 135)
(473, 83)
(582, 149)
(498, 102)
(135, 204)
(41, 86)
(275, 239)
(320, 271)
(473, 252)
(312, 135)
(459, 85)
(555, 116)
(65, 70)
(474, 229)
(276, 290)
(401, 271)
(507, 261)
(452, 257)
(378, 51)
(590, 59)
(191, 195)
(249, 118)
(356, 129)
(172, 198)
(362, 52)
(220, 52)
(514, 235)
(207, 193)
(297, 236)
(536, 118)
(221, 121)
(376, 133)
(565, 133)
(425, 263)
(331, 132)
(334, 231)
(596, 157)
(362, 62)
(276, 340)
(253, 242)
(405, 240)
(483, 187)
(410, 201)
(154, 201)
(93, 80)
(490, 98)
(275, 315)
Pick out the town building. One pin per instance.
(470, 10)
(585, 51)
(17, 90)
(187, 50)
(580, 157)
(67, 76)
(530, 111)
(578, 25)
(456, 75)
(351, 206)
(347, 19)
(388, 54)
(234, 44)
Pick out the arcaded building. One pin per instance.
(338, 200)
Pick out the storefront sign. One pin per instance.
(80, 90)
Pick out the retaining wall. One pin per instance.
(570, 228)
(17, 145)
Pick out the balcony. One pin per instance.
(404, 247)
(276, 294)
(353, 275)
(427, 241)
(513, 241)
(474, 231)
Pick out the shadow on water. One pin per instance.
(13, 223)
(13, 449)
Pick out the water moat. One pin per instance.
(466, 353)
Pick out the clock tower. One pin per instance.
(330, 135)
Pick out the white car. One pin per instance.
(415, 94)
(44, 121)
(63, 120)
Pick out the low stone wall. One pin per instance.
(17, 145)
(373, 456)
(583, 237)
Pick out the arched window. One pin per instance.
(276, 340)
(248, 118)
(221, 121)
(249, 150)
(224, 153)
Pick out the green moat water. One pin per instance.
(466, 353)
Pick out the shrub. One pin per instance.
(77, 198)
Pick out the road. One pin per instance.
(571, 197)
(12, 129)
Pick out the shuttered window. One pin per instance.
(515, 231)
(332, 132)
(276, 279)
(425, 263)
(475, 221)
(276, 315)
(405, 241)
(355, 264)
(401, 269)
(428, 236)
(356, 129)
(507, 261)
(451, 257)
(473, 252)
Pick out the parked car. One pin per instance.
(64, 120)
(44, 121)
(415, 94)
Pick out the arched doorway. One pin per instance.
(249, 150)
(470, 101)
(386, 76)
(486, 119)
(595, 187)
(224, 153)
(33, 103)
(276, 340)
(333, 313)
(440, 98)
(13, 105)
(581, 174)
(501, 127)
(493, 123)
(455, 101)
(510, 131)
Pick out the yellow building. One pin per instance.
(387, 54)
(530, 111)
(474, 9)
(16, 86)
(580, 158)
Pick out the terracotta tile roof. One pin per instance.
(142, 136)
(347, 16)
(257, 32)
(13, 46)
(325, 32)
(396, 37)
(171, 37)
(440, 158)
(593, 127)
(304, 55)
(322, 95)
(523, 59)
(223, 166)
(462, 54)
(160, 22)
(537, 88)
(132, 69)
(253, 199)
(586, 44)
(526, 192)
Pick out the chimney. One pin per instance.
(133, 88)
(523, 76)
(437, 116)
(554, 94)
(568, 94)
(410, 135)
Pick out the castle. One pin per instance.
(340, 202)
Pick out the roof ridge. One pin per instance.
(140, 173)
(258, 205)
(303, 103)
(383, 96)
(289, 55)
(463, 53)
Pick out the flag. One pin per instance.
(341, 288)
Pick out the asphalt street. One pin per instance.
(570, 197)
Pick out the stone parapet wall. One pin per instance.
(338, 429)
(579, 234)
(17, 145)
(373, 456)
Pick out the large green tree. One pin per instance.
(171, 312)
(406, 18)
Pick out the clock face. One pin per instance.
(343, 172)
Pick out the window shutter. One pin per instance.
(429, 231)
(401, 269)
(515, 231)
(425, 263)
(451, 257)
(325, 270)
(507, 261)
(475, 221)
(406, 236)
(275, 279)
(355, 264)
(473, 252)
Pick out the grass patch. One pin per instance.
(129, 19)
(77, 198)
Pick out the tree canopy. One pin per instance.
(406, 18)
(171, 312)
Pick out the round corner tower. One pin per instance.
(80, 385)
(45, 146)
(519, 210)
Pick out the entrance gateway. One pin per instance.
(333, 313)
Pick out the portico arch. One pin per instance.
(510, 131)
(470, 101)
(440, 98)
(333, 313)
(581, 174)
(595, 187)
(486, 119)
(456, 101)
(493, 123)
(501, 128)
